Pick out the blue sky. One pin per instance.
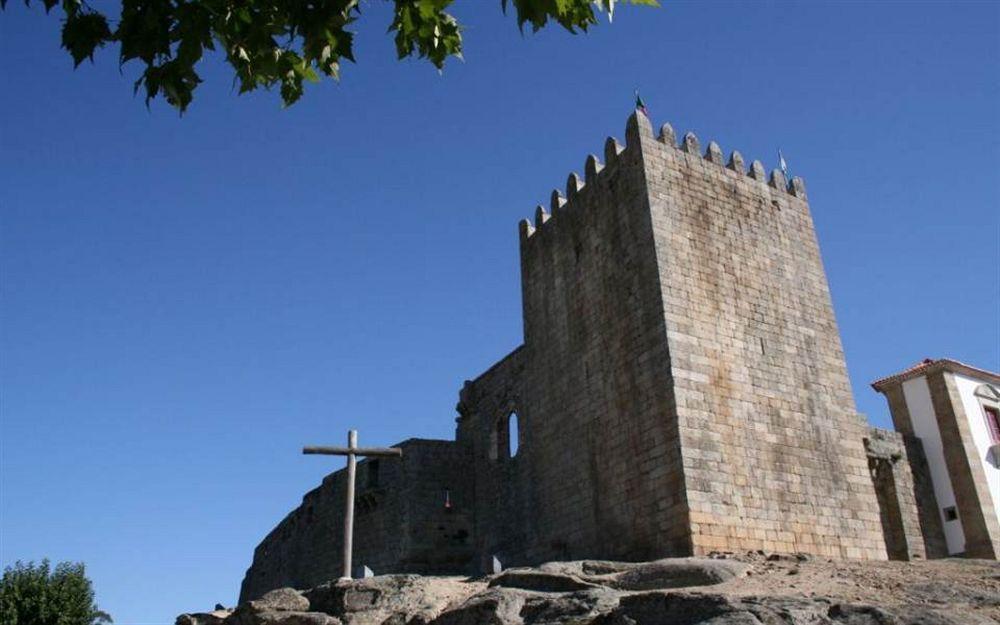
(186, 301)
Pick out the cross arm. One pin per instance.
(358, 451)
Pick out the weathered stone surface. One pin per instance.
(281, 599)
(861, 615)
(675, 608)
(215, 617)
(786, 610)
(678, 573)
(497, 606)
(529, 579)
(250, 615)
(897, 493)
(406, 598)
(749, 589)
(283, 617)
(910, 615)
(282, 606)
(569, 608)
(659, 574)
(943, 592)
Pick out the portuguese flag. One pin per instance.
(640, 105)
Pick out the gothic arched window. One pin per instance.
(513, 434)
(506, 437)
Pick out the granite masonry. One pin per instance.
(681, 389)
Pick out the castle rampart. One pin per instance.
(402, 523)
(503, 501)
(681, 387)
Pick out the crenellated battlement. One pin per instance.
(594, 172)
(713, 153)
(638, 132)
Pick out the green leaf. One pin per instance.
(144, 30)
(423, 27)
(83, 33)
(279, 43)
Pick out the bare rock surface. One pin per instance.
(656, 575)
(377, 600)
(542, 581)
(750, 589)
(286, 617)
(215, 617)
(282, 606)
(287, 599)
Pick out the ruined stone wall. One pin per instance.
(771, 441)
(897, 494)
(502, 494)
(401, 524)
(599, 449)
(437, 519)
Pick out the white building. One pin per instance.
(953, 410)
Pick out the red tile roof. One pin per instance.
(928, 364)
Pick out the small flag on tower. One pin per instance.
(640, 105)
(782, 164)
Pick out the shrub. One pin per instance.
(36, 595)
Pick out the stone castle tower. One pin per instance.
(681, 389)
(682, 386)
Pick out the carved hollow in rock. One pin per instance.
(540, 581)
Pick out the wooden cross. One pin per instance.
(352, 451)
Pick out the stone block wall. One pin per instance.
(897, 494)
(401, 523)
(437, 522)
(503, 500)
(599, 443)
(681, 387)
(771, 442)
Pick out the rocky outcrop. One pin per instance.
(215, 617)
(390, 599)
(283, 606)
(748, 590)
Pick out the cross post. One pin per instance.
(352, 451)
